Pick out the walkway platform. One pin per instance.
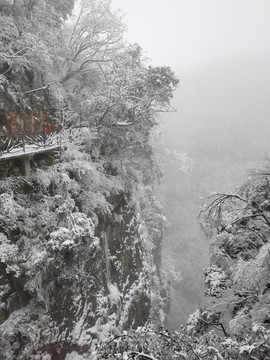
(29, 150)
(24, 148)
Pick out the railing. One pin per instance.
(22, 143)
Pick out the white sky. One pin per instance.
(188, 33)
(220, 50)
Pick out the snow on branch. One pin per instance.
(124, 123)
(17, 54)
(214, 208)
(219, 199)
(39, 89)
(141, 356)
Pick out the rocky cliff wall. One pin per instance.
(68, 277)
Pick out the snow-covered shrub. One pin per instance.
(215, 280)
(159, 344)
(8, 251)
(10, 210)
(80, 230)
(9, 255)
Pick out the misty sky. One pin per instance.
(220, 51)
(186, 33)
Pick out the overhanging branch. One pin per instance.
(39, 89)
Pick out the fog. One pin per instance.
(220, 51)
(223, 125)
(185, 34)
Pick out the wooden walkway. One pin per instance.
(25, 146)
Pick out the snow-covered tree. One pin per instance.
(237, 280)
(81, 237)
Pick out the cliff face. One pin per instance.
(79, 237)
(69, 275)
(14, 122)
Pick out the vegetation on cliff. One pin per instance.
(80, 238)
(234, 322)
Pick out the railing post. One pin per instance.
(60, 145)
(2, 145)
(8, 144)
(26, 166)
(23, 143)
